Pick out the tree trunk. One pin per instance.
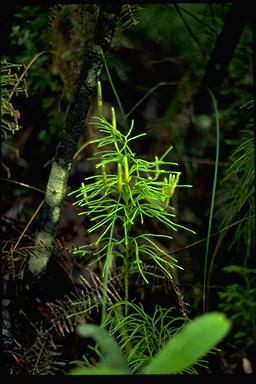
(221, 56)
(214, 76)
(85, 88)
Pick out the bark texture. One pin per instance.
(91, 67)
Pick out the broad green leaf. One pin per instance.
(192, 343)
(96, 371)
(112, 357)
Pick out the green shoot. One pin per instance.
(125, 193)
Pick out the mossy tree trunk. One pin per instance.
(84, 92)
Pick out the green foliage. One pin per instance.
(56, 123)
(12, 83)
(30, 35)
(240, 80)
(199, 17)
(193, 342)
(181, 351)
(111, 356)
(38, 33)
(236, 214)
(139, 334)
(236, 197)
(238, 301)
(126, 191)
(29, 31)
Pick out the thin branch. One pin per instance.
(198, 20)
(147, 94)
(212, 235)
(23, 185)
(202, 161)
(28, 225)
(26, 70)
(190, 30)
(81, 148)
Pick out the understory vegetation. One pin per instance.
(128, 189)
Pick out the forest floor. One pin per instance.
(37, 338)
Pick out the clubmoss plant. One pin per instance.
(125, 193)
(145, 334)
(238, 301)
(236, 198)
(179, 354)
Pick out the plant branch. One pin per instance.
(194, 37)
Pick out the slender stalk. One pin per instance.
(126, 269)
(106, 269)
(213, 195)
(113, 87)
(126, 281)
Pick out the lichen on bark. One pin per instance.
(84, 92)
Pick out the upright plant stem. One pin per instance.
(127, 251)
(213, 196)
(113, 86)
(106, 269)
(126, 284)
(126, 274)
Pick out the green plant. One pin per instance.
(181, 351)
(37, 31)
(238, 301)
(126, 192)
(236, 214)
(12, 83)
(216, 112)
(141, 335)
(236, 197)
